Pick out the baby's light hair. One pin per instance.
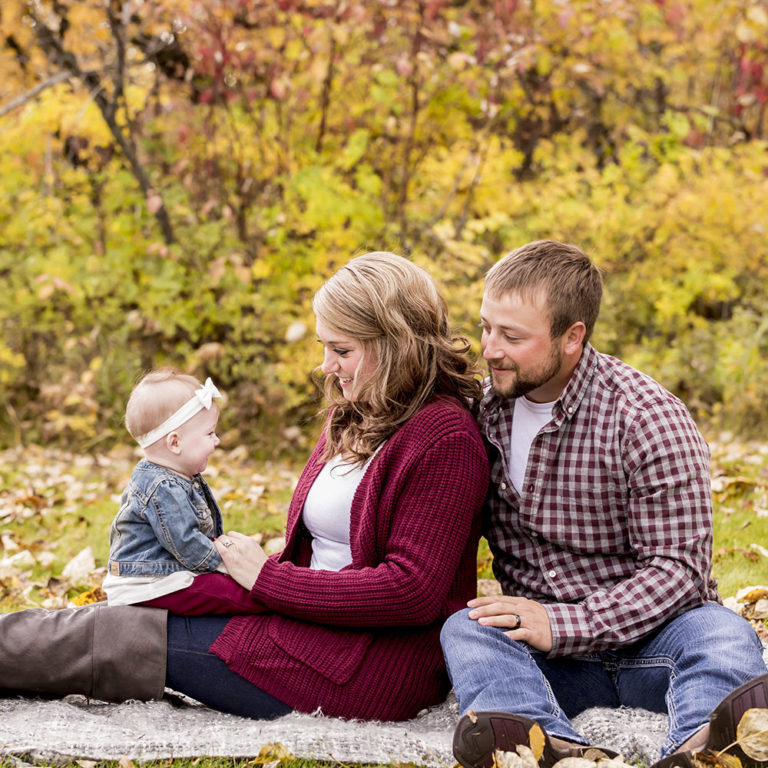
(158, 394)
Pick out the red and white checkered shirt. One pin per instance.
(613, 530)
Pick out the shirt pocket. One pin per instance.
(204, 517)
(591, 518)
(335, 653)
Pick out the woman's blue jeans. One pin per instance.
(193, 670)
(683, 669)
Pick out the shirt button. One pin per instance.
(530, 489)
(570, 409)
(552, 574)
(503, 486)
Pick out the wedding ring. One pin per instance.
(518, 621)
(228, 543)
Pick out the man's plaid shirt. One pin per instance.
(613, 531)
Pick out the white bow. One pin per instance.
(202, 398)
(206, 393)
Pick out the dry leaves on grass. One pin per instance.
(752, 604)
(752, 733)
(751, 737)
(47, 495)
(524, 758)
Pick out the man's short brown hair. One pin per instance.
(570, 282)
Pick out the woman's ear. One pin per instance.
(172, 442)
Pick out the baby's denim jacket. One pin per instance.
(166, 523)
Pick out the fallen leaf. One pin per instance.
(752, 594)
(527, 757)
(537, 740)
(614, 762)
(752, 733)
(575, 762)
(707, 759)
(502, 759)
(272, 752)
(80, 566)
(95, 595)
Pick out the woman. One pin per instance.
(380, 548)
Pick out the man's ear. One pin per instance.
(574, 338)
(172, 442)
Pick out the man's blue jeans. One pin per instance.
(683, 669)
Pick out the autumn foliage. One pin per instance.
(179, 177)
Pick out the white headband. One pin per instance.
(202, 398)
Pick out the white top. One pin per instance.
(529, 418)
(128, 590)
(327, 511)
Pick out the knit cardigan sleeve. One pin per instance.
(411, 520)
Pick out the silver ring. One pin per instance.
(228, 543)
(518, 621)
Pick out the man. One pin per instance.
(599, 519)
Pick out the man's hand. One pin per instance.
(525, 619)
(243, 557)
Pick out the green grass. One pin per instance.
(740, 497)
(54, 505)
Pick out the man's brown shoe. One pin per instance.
(723, 723)
(479, 735)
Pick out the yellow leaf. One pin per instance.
(760, 593)
(271, 752)
(752, 733)
(757, 15)
(707, 759)
(260, 270)
(95, 595)
(745, 33)
(276, 37)
(537, 740)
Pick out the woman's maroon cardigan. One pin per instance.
(364, 642)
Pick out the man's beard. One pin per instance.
(522, 385)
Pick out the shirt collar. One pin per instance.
(565, 406)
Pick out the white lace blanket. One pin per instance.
(75, 727)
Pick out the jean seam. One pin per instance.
(176, 649)
(669, 746)
(668, 663)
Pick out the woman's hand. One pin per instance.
(525, 619)
(243, 557)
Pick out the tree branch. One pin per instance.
(20, 101)
(66, 60)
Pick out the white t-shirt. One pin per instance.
(327, 511)
(528, 419)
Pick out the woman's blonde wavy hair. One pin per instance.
(396, 311)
